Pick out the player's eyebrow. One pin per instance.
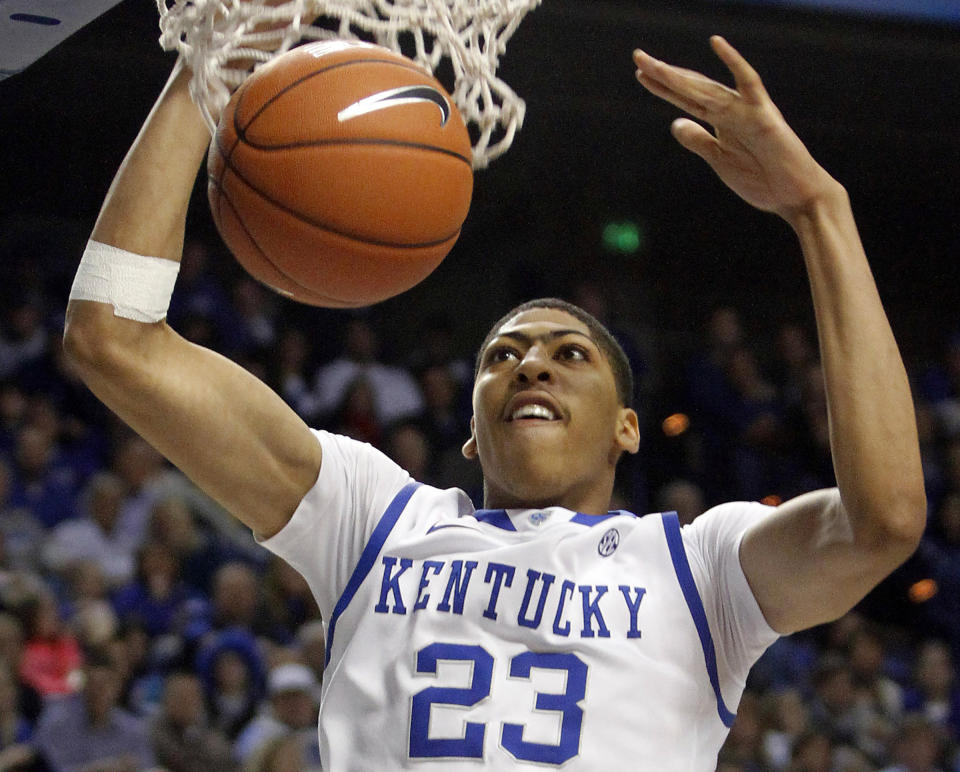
(528, 340)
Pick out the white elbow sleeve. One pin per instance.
(137, 287)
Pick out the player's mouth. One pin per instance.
(533, 408)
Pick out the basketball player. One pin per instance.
(543, 629)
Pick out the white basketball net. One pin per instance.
(215, 36)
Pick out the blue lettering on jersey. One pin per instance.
(502, 572)
(633, 606)
(455, 587)
(566, 589)
(436, 566)
(456, 575)
(390, 584)
(591, 610)
(532, 577)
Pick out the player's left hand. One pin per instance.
(752, 149)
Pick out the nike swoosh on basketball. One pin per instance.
(404, 95)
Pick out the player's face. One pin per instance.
(547, 424)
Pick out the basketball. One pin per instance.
(340, 174)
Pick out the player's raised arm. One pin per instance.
(221, 426)
(819, 554)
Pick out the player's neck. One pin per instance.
(594, 501)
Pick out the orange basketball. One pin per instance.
(340, 174)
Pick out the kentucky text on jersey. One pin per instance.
(511, 595)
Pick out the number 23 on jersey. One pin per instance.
(480, 664)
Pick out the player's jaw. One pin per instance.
(548, 426)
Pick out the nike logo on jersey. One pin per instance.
(539, 518)
(438, 526)
(404, 95)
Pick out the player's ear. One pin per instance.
(469, 448)
(628, 431)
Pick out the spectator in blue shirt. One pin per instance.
(90, 727)
(934, 693)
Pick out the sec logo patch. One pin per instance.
(609, 543)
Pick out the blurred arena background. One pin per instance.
(594, 202)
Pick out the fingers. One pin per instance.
(691, 91)
(748, 81)
(677, 99)
(695, 138)
(696, 93)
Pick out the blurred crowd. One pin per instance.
(141, 627)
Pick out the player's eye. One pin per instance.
(572, 352)
(501, 354)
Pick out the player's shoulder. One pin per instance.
(350, 458)
(343, 444)
(729, 520)
(452, 502)
(420, 508)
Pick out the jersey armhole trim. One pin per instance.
(368, 557)
(671, 527)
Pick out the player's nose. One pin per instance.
(535, 366)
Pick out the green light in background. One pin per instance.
(625, 237)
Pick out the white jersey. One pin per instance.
(462, 639)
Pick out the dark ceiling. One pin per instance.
(876, 101)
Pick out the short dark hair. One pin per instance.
(619, 364)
